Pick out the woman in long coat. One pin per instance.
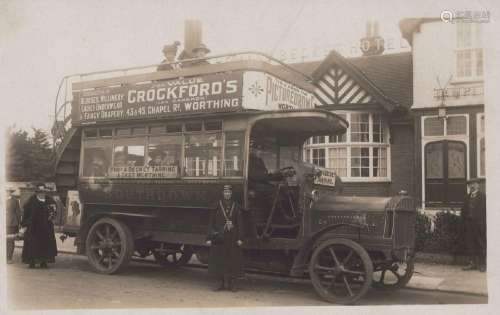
(226, 238)
(39, 239)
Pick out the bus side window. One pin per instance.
(233, 160)
(96, 159)
(166, 151)
(203, 155)
(128, 155)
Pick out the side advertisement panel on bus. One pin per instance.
(221, 92)
(203, 94)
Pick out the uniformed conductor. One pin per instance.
(474, 218)
(225, 239)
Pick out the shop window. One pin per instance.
(360, 162)
(96, 158)
(433, 126)
(338, 161)
(360, 131)
(164, 156)
(203, 155)
(233, 160)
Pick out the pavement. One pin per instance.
(427, 276)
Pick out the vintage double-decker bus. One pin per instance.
(142, 156)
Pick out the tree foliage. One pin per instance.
(28, 157)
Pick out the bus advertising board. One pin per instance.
(202, 94)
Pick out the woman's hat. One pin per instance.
(228, 188)
(40, 187)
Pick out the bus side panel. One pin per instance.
(148, 206)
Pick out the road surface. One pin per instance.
(71, 283)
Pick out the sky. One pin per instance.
(42, 41)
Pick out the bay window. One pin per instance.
(362, 153)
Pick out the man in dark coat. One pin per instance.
(13, 209)
(39, 240)
(226, 238)
(474, 218)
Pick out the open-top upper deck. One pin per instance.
(225, 83)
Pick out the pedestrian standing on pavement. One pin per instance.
(474, 219)
(13, 209)
(225, 239)
(39, 239)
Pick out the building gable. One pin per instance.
(339, 82)
(337, 87)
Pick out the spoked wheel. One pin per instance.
(109, 245)
(174, 257)
(341, 271)
(394, 275)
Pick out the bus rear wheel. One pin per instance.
(109, 246)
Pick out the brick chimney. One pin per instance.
(372, 44)
(192, 37)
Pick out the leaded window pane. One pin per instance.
(433, 126)
(456, 125)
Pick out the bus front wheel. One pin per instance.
(109, 246)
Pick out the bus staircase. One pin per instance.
(67, 143)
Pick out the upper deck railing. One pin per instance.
(64, 98)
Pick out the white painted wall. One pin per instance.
(434, 56)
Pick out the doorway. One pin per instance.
(445, 173)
